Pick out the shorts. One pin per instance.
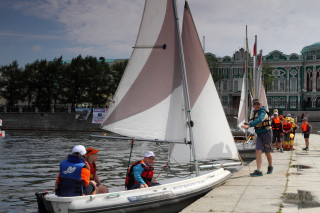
(306, 135)
(276, 136)
(263, 141)
(89, 189)
(286, 137)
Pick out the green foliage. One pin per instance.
(213, 66)
(11, 84)
(44, 83)
(267, 76)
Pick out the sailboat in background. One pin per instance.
(247, 146)
(166, 95)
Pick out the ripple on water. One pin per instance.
(30, 163)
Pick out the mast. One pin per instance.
(185, 88)
(255, 95)
(246, 106)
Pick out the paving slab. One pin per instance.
(294, 186)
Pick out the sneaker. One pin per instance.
(256, 173)
(281, 150)
(270, 169)
(306, 149)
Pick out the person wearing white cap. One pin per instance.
(140, 173)
(74, 175)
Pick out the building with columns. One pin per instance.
(295, 86)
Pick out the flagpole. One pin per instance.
(255, 95)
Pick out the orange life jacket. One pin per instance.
(305, 127)
(276, 125)
(146, 175)
(286, 126)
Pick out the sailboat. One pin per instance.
(166, 95)
(247, 147)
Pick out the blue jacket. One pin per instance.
(261, 116)
(70, 182)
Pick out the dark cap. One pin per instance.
(256, 101)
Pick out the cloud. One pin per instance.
(111, 26)
(90, 22)
(20, 36)
(36, 48)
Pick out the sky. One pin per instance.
(33, 30)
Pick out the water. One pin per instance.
(30, 163)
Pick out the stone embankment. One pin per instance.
(60, 121)
(293, 187)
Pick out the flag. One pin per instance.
(255, 47)
(259, 60)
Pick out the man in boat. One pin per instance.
(74, 175)
(140, 173)
(262, 125)
(91, 157)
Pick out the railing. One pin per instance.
(35, 109)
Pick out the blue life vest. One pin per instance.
(70, 183)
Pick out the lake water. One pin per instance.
(30, 163)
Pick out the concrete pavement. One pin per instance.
(293, 187)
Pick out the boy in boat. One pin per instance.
(262, 125)
(306, 129)
(91, 157)
(140, 173)
(74, 175)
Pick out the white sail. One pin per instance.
(150, 103)
(242, 105)
(149, 100)
(262, 91)
(212, 134)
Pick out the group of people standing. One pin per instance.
(274, 132)
(78, 173)
(284, 130)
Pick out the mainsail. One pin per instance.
(150, 100)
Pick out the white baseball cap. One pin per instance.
(80, 149)
(149, 154)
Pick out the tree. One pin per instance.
(98, 81)
(213, 66)
(30, 82)
(75, 82)
(117, 72)
(267, 76)
(11, 84)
